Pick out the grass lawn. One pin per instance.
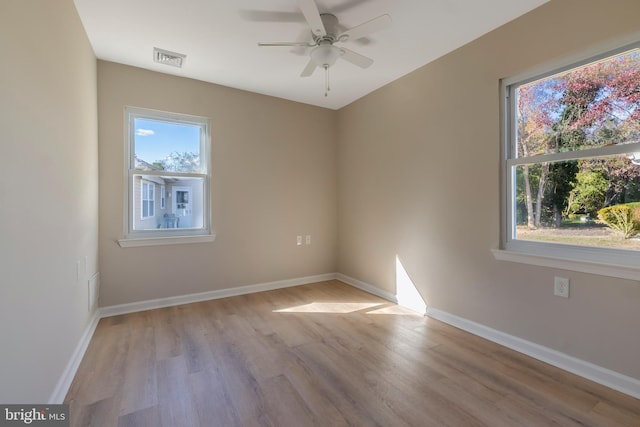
(583, 235)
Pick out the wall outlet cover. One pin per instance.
(561, 287)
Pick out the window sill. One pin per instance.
(160, 241)
(629, 272)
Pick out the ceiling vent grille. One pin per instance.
(168, 58)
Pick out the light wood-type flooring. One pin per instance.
(324, 354)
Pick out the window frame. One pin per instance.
(133, 237)
(621, 263)
(163, 197)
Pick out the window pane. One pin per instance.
(169, 146)
(184, 206)
(562, 202)
(590, 106)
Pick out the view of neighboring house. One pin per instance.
(165, 201)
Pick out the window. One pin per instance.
(572, 161)
(148, 200)
(167, 153)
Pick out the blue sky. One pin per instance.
(156, 140)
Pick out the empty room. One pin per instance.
(320, 212)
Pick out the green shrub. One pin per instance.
(623, 218)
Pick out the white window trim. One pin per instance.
(163, 197)
(135, 238)
(619, 263)
(169, 240)
(602, 269)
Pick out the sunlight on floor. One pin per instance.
(406, 292)
(329, 307)
(396, 310)
(350, 307)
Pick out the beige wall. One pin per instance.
(398, 173)
(419, 179)
(48, 193)
(274, 177)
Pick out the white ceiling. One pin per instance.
(220, 39)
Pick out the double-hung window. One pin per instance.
(571, 172)
(168, 178)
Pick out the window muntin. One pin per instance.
(576, 131)
(167, 152)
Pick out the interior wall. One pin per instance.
(273, 178)
(419, 179)
(49, 193)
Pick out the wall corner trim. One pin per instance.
(590, 371)
(62, 387)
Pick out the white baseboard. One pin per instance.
(598, 374)
(367, 287)
(133, 307)
(62, 387)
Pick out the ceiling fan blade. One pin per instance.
(376, 24)
(305, 44)
(346, 5)
(309, 69)
(312, 15)
(355, 58)
(304, 36)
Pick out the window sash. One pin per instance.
(609, 150)
(166, 117)
(131, 113)
(606, 260)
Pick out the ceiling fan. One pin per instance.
(325, 32)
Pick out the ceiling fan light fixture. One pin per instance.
(325, 55)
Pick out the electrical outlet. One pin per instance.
(298, 240)
(561, 287)
(308, 239)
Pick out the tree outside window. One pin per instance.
(574, 154)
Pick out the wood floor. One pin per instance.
(324, 354)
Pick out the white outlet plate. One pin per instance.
(298, 240)
(561, 287)
(308, 239)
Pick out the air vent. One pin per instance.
(169, 58)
